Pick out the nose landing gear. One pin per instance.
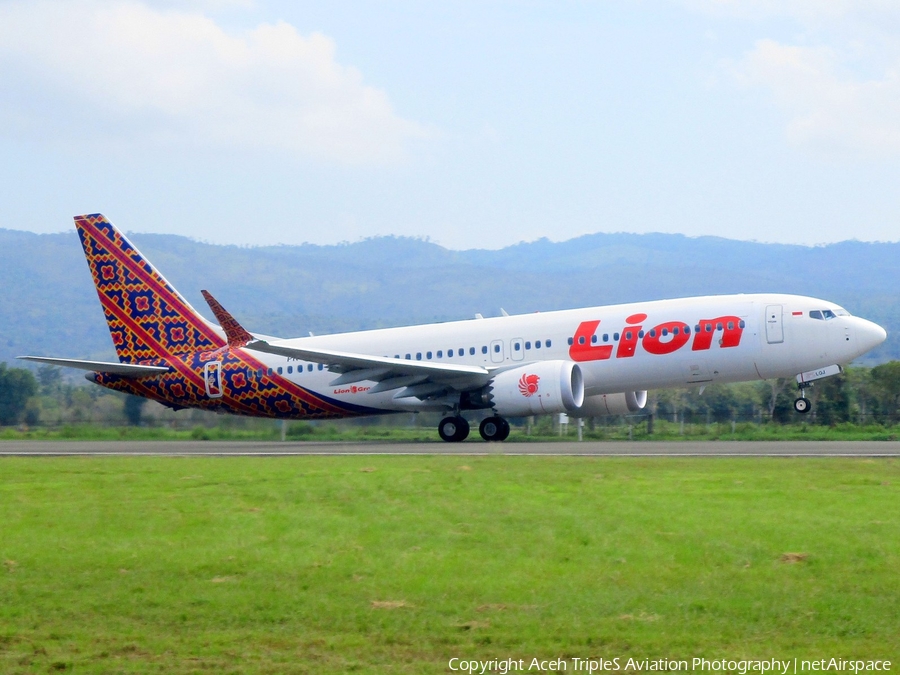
(803, 405)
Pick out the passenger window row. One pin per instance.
(290, 369)
(450, 353)
(537, 344)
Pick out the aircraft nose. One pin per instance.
(869, 335)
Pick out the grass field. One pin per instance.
(233, 429)
(397, 564)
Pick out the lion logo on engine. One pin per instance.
(528, 385)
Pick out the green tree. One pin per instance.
(50, 378)
(886, 386)
(134, 408)
(17, 385)
(832, 404)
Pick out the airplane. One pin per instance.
(587, 362)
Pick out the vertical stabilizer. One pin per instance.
(148, 319)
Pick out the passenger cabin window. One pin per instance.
(321, 367)
(517, 346)
(497, 349)
(418, 356)
(428, 355)
(484, 349)
(309, 368)
(548, 343)
(440, 353)
(279, 370)
(527, 345)
(471, 351)
(290, 369)
(571, 341)
(537, 345)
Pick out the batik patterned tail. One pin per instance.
(148, 319)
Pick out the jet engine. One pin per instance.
(535, 389)
(611, 404)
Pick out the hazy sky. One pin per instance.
(477, 124)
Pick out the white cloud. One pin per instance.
(142, 74)
(828, 108)
(837, 79)
(805, 10)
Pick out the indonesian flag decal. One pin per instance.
(528, 385)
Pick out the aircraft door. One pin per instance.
(497, 351)
(774, 325)
(517, 349)
(212, 378)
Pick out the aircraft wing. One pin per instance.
(126, 369)
(418, 378)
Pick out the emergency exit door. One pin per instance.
(774, 324)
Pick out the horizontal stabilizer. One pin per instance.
(126, 369)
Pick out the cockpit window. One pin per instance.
(840, 311)
(821, 314)
(828, 314)
(816, 314)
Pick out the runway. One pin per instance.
(473, 448)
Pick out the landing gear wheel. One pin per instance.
(494, 428)
(453, 429)
(802, 405)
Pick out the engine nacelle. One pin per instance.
(611, 404)
(536, 389)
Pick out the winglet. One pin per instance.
(237, 336)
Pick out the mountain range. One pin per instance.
(48, 305)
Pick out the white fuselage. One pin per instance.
(761, 336)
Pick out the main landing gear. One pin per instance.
(803, 405)
(455, 429)
(494, 428)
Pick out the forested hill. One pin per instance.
(48, 304)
